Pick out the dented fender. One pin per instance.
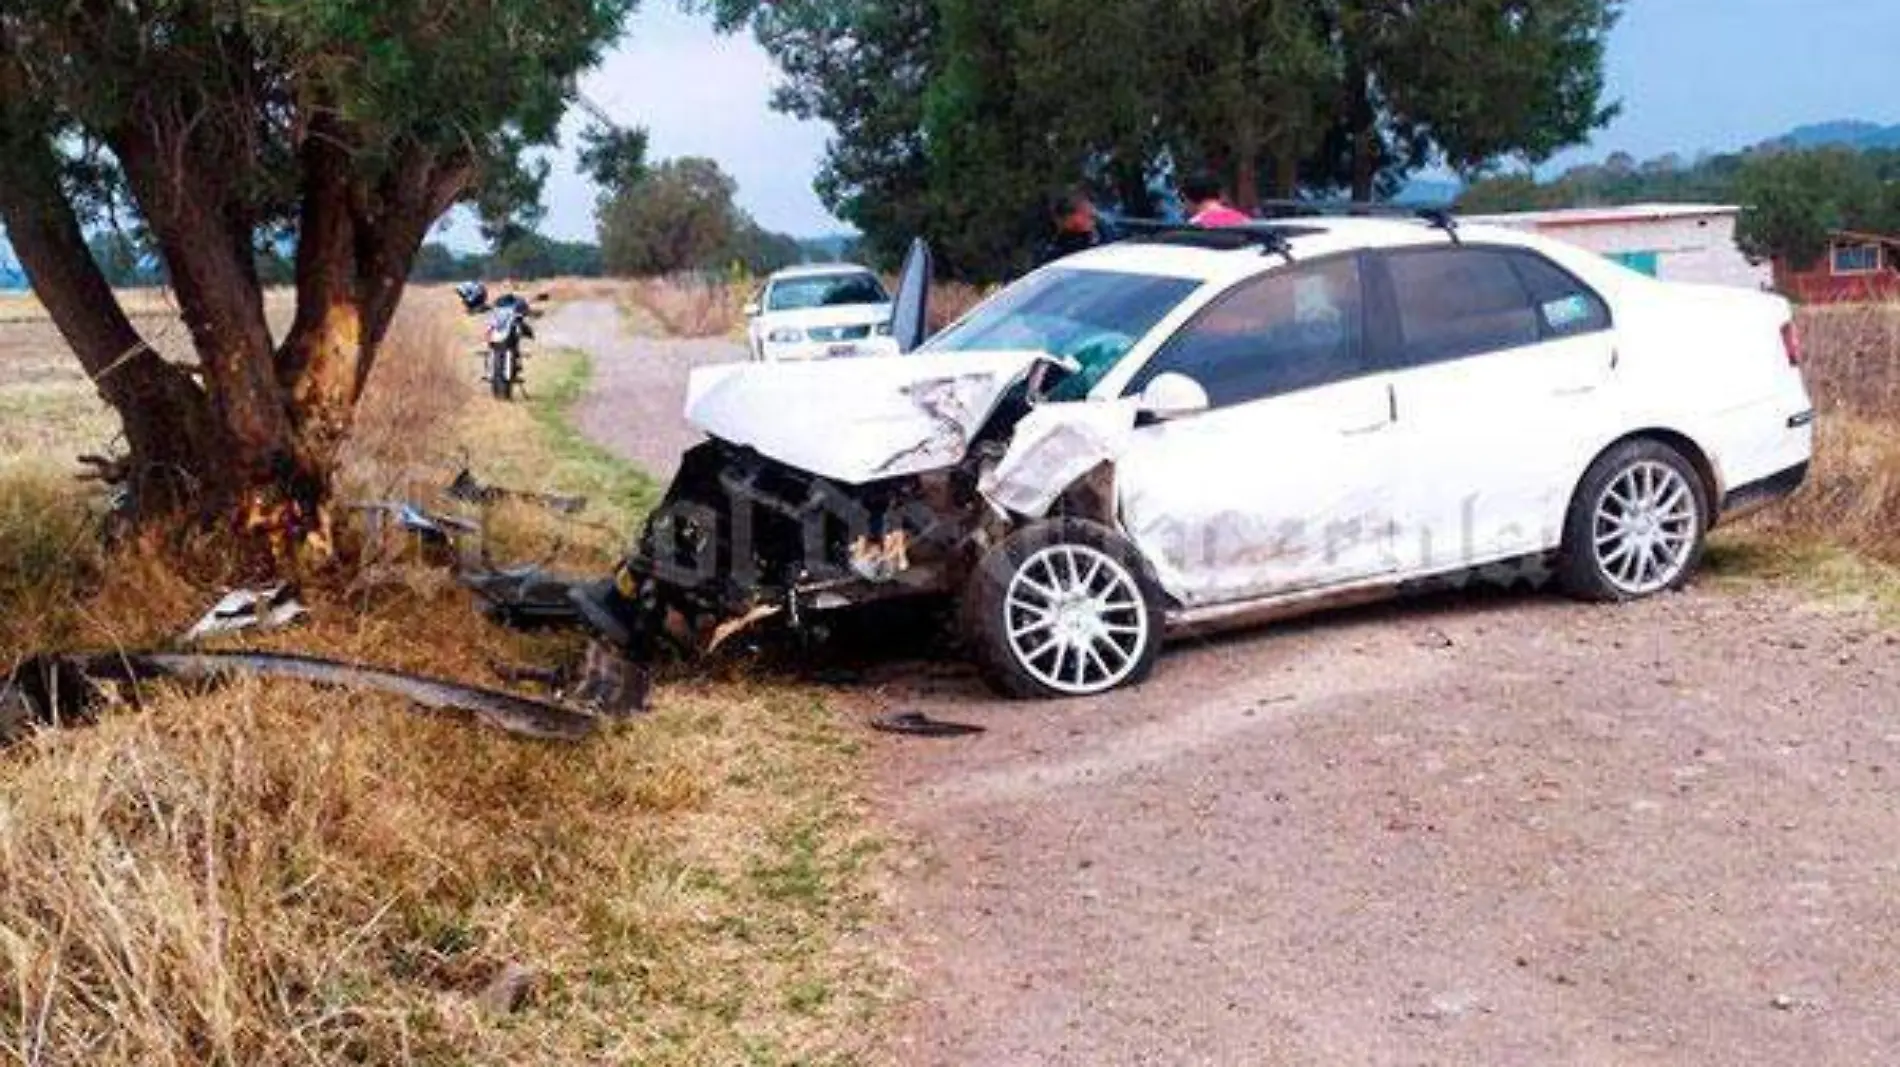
(1055, 446)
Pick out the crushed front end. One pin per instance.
(741, 538)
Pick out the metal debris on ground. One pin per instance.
(525, 598)
(248, 609)
(70, 688)
(732, 628)
(472, 490)
(917, 724)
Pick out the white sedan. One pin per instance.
(820, 312)
(1197, 430)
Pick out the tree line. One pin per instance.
(961, 118)
(1791, 198)
(320, 142)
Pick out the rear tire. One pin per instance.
(1064, 608)
(1637, 525)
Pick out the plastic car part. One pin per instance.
(65, 688)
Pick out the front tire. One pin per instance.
(1064, 608)
(501, 374)
(1637, 525)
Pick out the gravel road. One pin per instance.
(639, 383)
(1481, 829)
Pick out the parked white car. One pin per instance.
(820, 312)
(1198, 430)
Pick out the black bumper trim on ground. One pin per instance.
(1769, 489)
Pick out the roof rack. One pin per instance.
(1270, 238)
(1438, 218)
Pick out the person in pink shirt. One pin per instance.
(1205, 207)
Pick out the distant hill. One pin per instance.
(1850, 133)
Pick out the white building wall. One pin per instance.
(1698, 248)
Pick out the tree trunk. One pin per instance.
(183, 195)
(1365, 145)
(167, 418)
(1247, 182)
(1286, 175)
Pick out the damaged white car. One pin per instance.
(1202, 429)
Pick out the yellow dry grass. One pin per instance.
(271, 874)
(1843, 530)
(691, 305)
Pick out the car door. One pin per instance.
(1501, 366)
(1283, 483)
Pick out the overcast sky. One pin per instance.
(1692, 75)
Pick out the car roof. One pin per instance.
(819, 270)
(1212, 260)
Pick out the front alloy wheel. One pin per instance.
(1062, 609)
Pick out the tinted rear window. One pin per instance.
(1456, 302)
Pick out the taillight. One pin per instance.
(1791, 342)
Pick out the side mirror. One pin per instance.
(1172, 396)
(751, 309)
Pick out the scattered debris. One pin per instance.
(917, 724)
(472, 490)
(613, 683)
(883, 559)
(732, 628)
(525, 598)
(431, 528)
(68, 688)
(508, 991)
(248, 609)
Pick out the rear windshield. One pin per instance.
(1091, 316)
(825, 290)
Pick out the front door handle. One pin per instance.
(1391, 415)
(1575, 390)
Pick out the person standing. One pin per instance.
(1205, 205)
(1077, 227)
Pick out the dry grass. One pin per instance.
(691, 305)
(950, 301)
(1853, 498)
(271, 874)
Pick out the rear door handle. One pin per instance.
(1576, 390)
(1364, 430)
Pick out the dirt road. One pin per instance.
(1505, 829)
(639, 383)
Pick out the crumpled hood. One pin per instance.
(858, 420)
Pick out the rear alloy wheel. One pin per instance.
(1063, 609)
(1637, 526)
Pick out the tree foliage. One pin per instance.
(960, 118)
(1791, 199)
(682, 216)
(330, 134)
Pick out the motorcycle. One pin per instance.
(507, 327)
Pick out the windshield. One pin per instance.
(1093, 317)
(825, 290)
